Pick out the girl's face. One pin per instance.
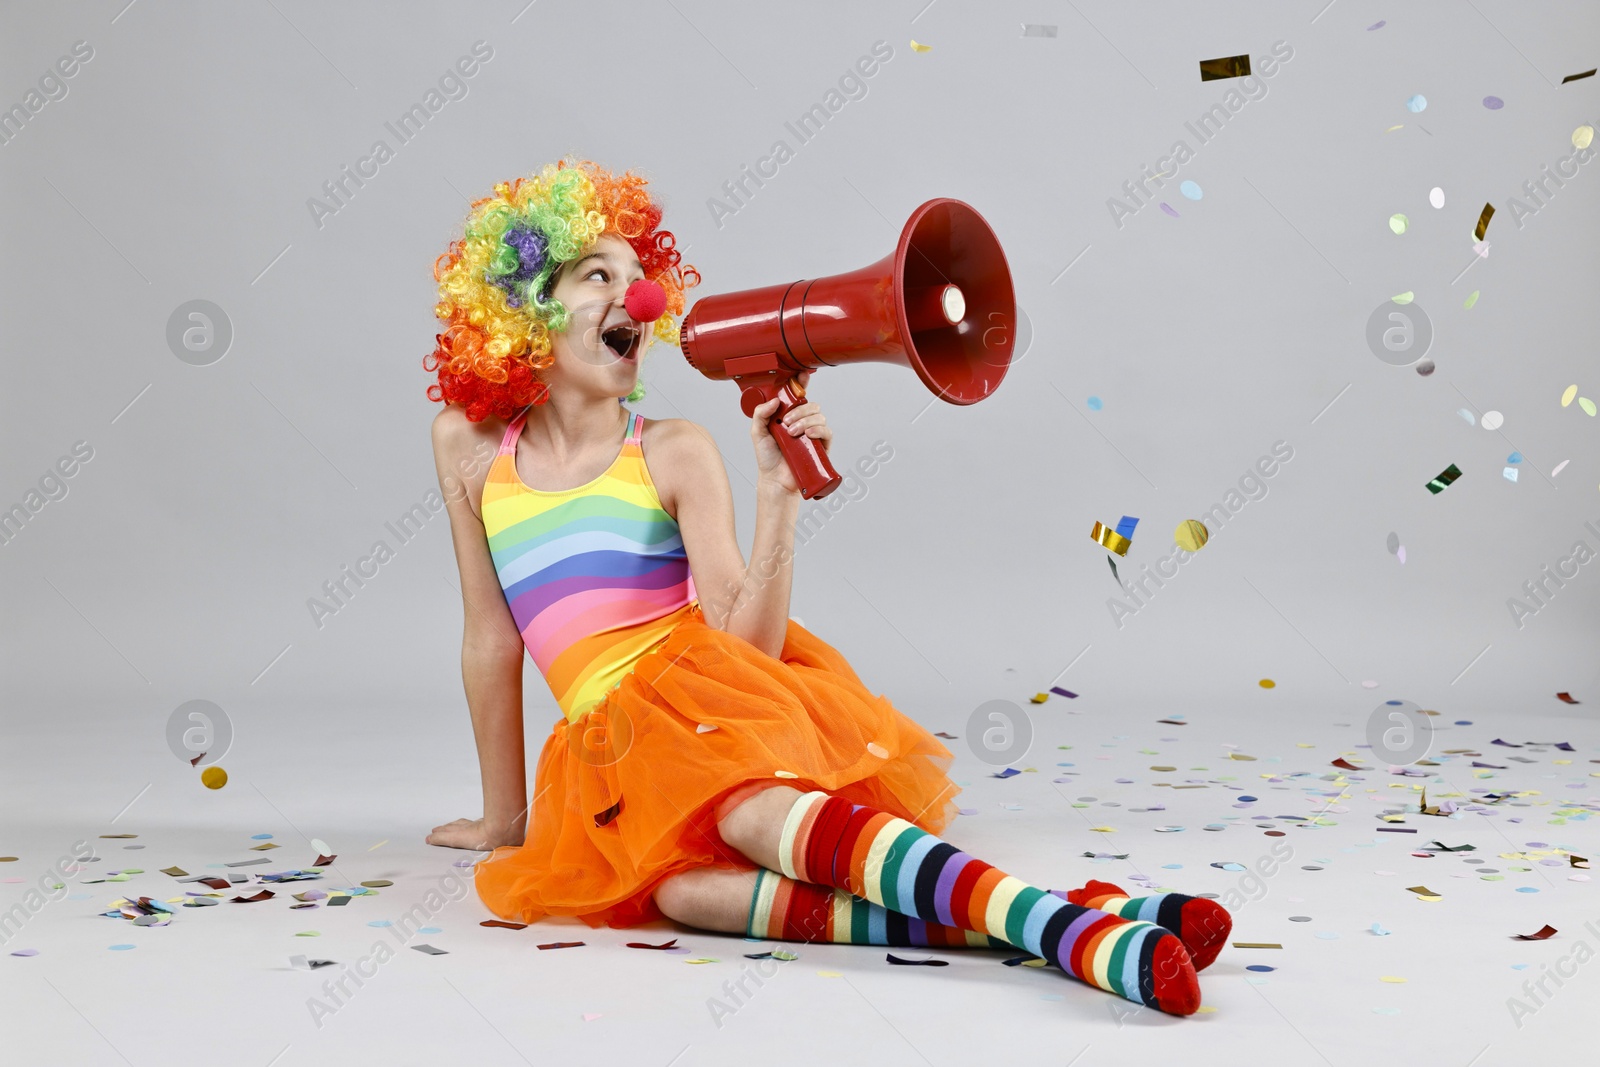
(599, 354)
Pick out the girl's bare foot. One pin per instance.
(472, 834)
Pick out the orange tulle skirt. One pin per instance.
(626, 796)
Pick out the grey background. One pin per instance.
(219, 498)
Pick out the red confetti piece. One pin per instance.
(503, 924)
(1566, 697)
(563, 944)
(666, 944)
(610, 813)
(1545, 933)
(265, 894)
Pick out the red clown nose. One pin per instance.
(645, 301)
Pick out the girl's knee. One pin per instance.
(752, 818)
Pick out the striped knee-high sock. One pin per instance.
(783, 909)
(894, 864)
(1202, 924)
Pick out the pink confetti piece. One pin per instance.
(1168, 209)
(26, 952)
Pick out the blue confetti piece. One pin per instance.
(1229, 866)
(1125, 527)
(1526, 889)
(261, 837)
(1009, 772)
(382, 922)
(120, 948)
(1095, 403)
(1259, 967)
(1056, 689)
(1379, 930)
(1190, 190)
(1417, 103)
(1172, 866)
(431, 930)
(1250, 799)
(1515, 457)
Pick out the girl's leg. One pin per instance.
(873, 854)
(768, 905)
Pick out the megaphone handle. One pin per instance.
(809, 462)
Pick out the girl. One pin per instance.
(714, 761)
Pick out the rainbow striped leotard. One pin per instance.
(595, 576)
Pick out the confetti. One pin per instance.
(1265, 683)
(892, 958)
(430, 950)
(604, 817)
(1191, 190)
(1038, 698)
(1391, 978)
(502, 924)
(875, 749)
(1378, 930)
(1493, 420)
(1398, 224)
(1095, 403)
(1436, 197)
(1009, 772)
(265, 894)
(1493, 103)
(563, 944)
(1544, 933)
(591, 1016)
(1191, 535)
(213, 777)
(1255, 944)
(705, 728)
(1417, 103)
(1582, 137)
(1056, 689)
(665, 944)
(946, 736)
(1587, 405)
(1472, 299)
(1574, 77)
(1445, 478)
(1109, 538)
(321, 847)
(1224, 67)
(1483, 221)
(1169, 209)
(700, 959)
(1030, 30)
(1565, 698)
(176, 872)
(263, 847)
(915, 47)
(784, 774)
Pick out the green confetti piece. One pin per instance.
(1587, 405)
(1473, 299)
(1398, 223)
(1404, 298)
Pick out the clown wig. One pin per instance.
(494, 282)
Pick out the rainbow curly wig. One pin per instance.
(494, 282)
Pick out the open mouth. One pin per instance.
(621, 339)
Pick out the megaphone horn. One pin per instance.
(933, 305)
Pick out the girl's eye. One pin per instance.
(597, 270)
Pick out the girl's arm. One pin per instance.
(751, 601)
(491, 649)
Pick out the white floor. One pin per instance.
(217, 981)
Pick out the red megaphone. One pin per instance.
(940, 304)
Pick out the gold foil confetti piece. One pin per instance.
(1483, 221)
(1267, 683)
(1224, 67)
(1574, 77)
(1421, 891)
(915, 47)
(1582, 137)
(1255, 944)
(213, 777)
(265, 846)
(1191, 535)
(176, 872)
(1038, 698)
(1446, 476)
(1390, 978)
(1391, 129)
(1110, 539)
(1566, 397)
